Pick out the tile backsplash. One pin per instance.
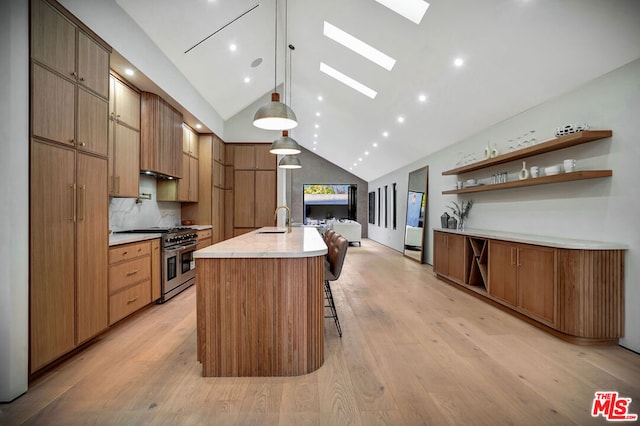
(125, 213)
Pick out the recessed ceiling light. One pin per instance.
(350, 168)
(317, 126)
(360, 159)
(385, 134)
(233, 47)
(356, 85)
(129, 71)
(315, 135)
(355, 164)
(315, 142)
(366, 153)
(317, 114)
(458, 62)
(314, 148)
(400, 119)
(320, 98)
(198, 126)
(422, 98)
(375, 144)
(358, 46)
(247, 79)
(413, 10)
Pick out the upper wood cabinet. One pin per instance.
(53, 38)
(244, 157)
(52, 106)
(59, 44)
(93, 65)
(189, 141)
(92, 123)
(218, 150)
(265, 160)
(124, 104)
(124, 140)
(160, 136)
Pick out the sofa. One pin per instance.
(350, 229)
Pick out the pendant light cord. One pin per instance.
(275, 71)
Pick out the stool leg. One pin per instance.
(332, 306)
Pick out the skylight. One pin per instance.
(358, 46)
(413, 10)
(356, 85)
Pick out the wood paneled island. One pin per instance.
(260, 304)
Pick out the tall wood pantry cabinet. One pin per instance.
(254, 187)
(68, 184)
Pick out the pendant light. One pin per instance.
(275, 115)
(290, 162)
(286, 145)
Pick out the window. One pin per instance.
(386, 206)
(394, 199)
(372, 207)
(329, 201)
(379, 206)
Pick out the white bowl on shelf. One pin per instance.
(552, 170)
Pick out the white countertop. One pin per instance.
(301, 242)
(201, 227)
(117, 239)
(541, 240)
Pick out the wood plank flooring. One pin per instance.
(414, 351)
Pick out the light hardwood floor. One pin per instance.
(414, 351)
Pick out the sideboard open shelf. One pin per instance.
(562, 177)
(541, 148)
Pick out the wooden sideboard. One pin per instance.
(572, 289)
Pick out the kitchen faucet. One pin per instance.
(287, 218)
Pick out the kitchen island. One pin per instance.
(260, 304)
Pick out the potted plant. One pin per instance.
(461, 211)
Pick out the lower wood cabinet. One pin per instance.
(576, 294)
(204, 238)
(523, 276)
(451, 256)
(130, 278)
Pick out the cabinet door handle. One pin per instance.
(81, 78)
(83, 203)
(132, 300)
(518, 257)
(82, 144)
(74, 74)
(512, 260)
(118, 184)
(72, 187)
(130, 273)
(124, 253)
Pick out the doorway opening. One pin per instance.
(322, 202)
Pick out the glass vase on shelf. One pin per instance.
(461, 224)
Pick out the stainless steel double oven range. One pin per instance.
(178, 265)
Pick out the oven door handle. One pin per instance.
(186, 246)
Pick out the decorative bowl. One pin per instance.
(187, 222)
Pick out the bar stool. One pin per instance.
(337, 250)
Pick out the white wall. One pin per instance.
(14, 211)
(601, 209)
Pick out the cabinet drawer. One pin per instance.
(124, 274)
(129, 251)
(206, 233)
(128, 301)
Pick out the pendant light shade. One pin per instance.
(285, 145)
(290, 162)
(275, 115)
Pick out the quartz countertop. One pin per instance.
(268, 242)
(201, 227)
(541, 240)
(125, 238)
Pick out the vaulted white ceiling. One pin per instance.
(517, 53)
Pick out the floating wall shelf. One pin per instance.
(541, 148)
